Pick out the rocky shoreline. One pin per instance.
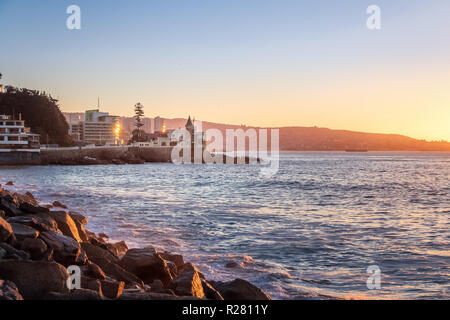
(39, 243)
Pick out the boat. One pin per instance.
(18, 146)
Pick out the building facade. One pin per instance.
(17, 144)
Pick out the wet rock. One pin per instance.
(112, 289)
(94, 271)
(5, 230)
(102, 235)
(46, 222)
(78, 217)
(13, 253)
(27, 207)
(22, 232)
(3, 214)
(9, 291)
(66, 250)
(210, 292)
(35, 247)
(35, 278)
(240, 290)
(175, 258)
(35, 222)
(8, 205)
(156, 286)
(9, 183)
(189, 266)
(65, 224)
(59, 205)
(147, 264)
(3, 253)
(121, 247)
(188, 283)
(91, 284)
(117, 272)
(97, 254)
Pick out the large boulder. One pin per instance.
(36, 248)
(5, 230)
(147, 264)
(175, 258)
(93, 271)
(66, 224)
(9, 291)
(80, 221)
(152, 296)
(22, 232)
(240, 290)
(66, 250)
(13, 253)
(112, 289)
(115, 271)
(39, 223)
(35, 278)
(188, 283)
(9, 205)
(210, 292)
(91, 284)
(97, 254)
(30, 208)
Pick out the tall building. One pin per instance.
(96, 127)
(160, 125)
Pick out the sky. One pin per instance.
(264, 63)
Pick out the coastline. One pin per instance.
(39, 243)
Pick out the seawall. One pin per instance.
(98, 155)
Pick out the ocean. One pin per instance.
(309, 232)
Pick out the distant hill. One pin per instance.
(323, 139)
(40, 112)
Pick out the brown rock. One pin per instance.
(94, 271)
(31, 208)
(66, 224)
(9, 291)
(9, 183)
(36, 247)
(67, 251)
(240, 290)
(117, 272)
(36, 222)
(22, 232)
(5, 230)
(121, 247)
(147, 264)
(97, 254)
(210, 292)
(188, 283)
(59, 204)
(13, 253)
(9, 205)
(78, 217)
(175, 258)
(112, 289)
(35, 278)
(91, 284)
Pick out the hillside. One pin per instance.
(40, 112)
(323, 139)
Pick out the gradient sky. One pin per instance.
(254, 62)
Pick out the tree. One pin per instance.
(139, 115)
(139, 120)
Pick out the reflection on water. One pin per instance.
(312, 229)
